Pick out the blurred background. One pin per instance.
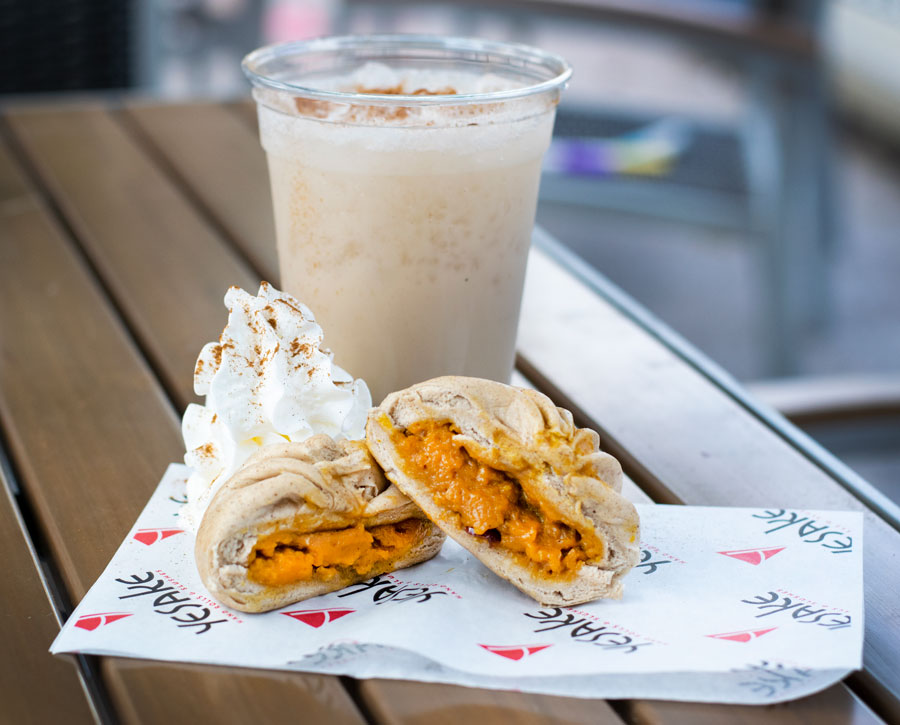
(734, 165)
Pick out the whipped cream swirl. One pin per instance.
(266, 380)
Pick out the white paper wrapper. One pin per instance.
(728, 605)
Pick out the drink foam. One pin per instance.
(318, 131)
(326, 134)
(410, 81)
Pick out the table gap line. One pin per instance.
(626, 711)
(871, 693)
(352, 685)
(57, 214)
(51, 578)
(207, 214)
(86, 666)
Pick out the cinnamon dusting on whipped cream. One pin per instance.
(266, 380)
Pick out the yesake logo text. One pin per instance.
(836, 539)
(652, 558)
(794, 608)
(388, 588)
(580, 626)
(167, 597)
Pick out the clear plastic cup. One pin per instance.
(404, 174)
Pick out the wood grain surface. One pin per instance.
(145, 238)
(687, 441)
(200, 166)
(617, 374)
(91, 432)
(128, 297)
(834, 705)
(154, 692)
(34, 686)
(208, 149)
(413, 703)
(88, 427)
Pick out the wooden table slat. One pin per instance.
(157, 692)
(28, 624)
(414, 703)
(834, 705)
(163, 125)
(146, 240)
(91, 433)
(640, 395)
(76, 396)
(173, 170)
(47, 154)
(208, 148)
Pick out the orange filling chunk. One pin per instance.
(490, 503)
(285, 557)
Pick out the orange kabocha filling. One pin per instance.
(285, 557)
(491, 504)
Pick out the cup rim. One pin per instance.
(519, 52)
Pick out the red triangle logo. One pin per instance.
(151, 536)
(753, 556)
(744, 636)
(317, 617)
(514, 652)
(90, 622)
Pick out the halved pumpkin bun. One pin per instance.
(303, 519)
(506, 473)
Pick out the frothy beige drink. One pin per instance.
(405, 226)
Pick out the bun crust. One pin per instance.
(316, 485)
(521, 433)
